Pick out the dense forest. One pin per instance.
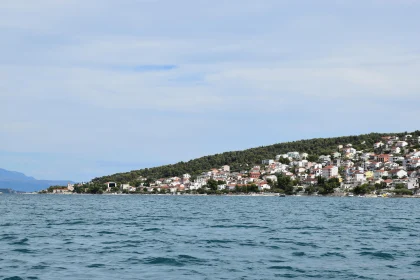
(243, 160)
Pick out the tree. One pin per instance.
(212, 184)
(285, 183)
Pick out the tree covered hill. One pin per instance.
(242, 160)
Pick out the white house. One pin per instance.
(267, 161)
(401, 144)
(359, 176)
(330, 171)
(396, 150)
(271, 177)
(400, 173)
(325, 158)
(378, 145)
(226, 168)
(263, 186)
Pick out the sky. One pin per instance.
(94, 87)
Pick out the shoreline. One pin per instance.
(227, 195)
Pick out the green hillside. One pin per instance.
(238, 160)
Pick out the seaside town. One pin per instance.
(393, 168)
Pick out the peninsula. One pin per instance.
(371, 164)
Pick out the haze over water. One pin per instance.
(181, 237)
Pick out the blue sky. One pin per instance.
(91, 88)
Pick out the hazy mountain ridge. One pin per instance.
(20, 182)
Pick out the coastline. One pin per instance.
(228, 195)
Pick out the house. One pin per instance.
(400, 173)
(226, 168)
(310, 181)
(369, 174)
(349, 155)
(349, 150)
(294, 155)
(378, 174)
(61, 190)
(336, 155)
(254, 175)
(348, 163)
(413, 183)
(110, 185)
(325, 158)
(378, 145)
(414, 163)
(391, 165)
(263, 186)
(317, 172)
(396, 158)
(402, 144)
(382, 158)
(359, 176)
(267, 161)
(273, 178)
(396, 150)
(375, 164)
(330, 171)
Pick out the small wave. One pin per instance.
(218, 241)
(39, 267)
(95, 265)
(13, 278)
(190, 259)
(249, 243)
(23, 241)
(25, 251)
(395, 228)
(378, 255)
(416, 263)
(106, 232)
(8, 237)
(286, 267)
(304, 244)
(298, 254)
(277, 261)
(152, 229)
(163, 261)
(333, 255)
(238, 226)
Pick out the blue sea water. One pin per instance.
(193, 237)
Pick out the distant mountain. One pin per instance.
(20, 182)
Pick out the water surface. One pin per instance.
(181, 237)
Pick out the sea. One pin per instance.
(208, 237)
